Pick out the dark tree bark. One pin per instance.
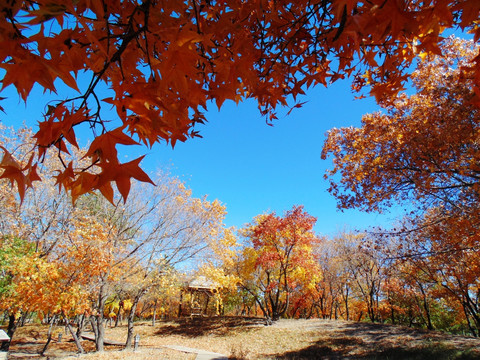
(12, 326)
(131, 318)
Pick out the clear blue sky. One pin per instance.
(253, 168)
(249, 166)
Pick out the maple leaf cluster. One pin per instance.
(166, 61)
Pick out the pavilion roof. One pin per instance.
(201, 282)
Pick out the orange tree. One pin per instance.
(54, 285)
(445, 254)
(165, 61)
(277, 259)
(423, 148)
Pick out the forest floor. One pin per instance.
(248, 338)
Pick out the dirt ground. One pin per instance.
(249, 338)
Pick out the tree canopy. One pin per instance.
(424, 147)
(165, 62)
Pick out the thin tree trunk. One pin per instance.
(81, 325)
(426, 307)
(131, 318)
(49, 336)
(154, 317)
(119, 314)
(347, 310)
(22, 320)
(93, 322)
(100, 335)
(473, 331)
(74, 336)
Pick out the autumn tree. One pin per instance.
(424, 147)
(445, 253)
(94, 247)
(220, 267)
(412, 295)
(21, 270)
(172, 227)
(164, 62)
(333, 293)
(56, 284)
(45, 214)
(45, 276)
(158, 229)
(277, 256)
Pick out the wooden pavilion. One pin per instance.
(196, 296)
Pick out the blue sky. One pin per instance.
(255, 168)
(249, 166)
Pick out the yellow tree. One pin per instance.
(158, 229)
(26, 281)
(221, 267)
(58, 283)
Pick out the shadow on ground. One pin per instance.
(379, 332)
(199, 326)
(347, 348)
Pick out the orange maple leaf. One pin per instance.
(103, 147)
(121, 174)
(14, 172)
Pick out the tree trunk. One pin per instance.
(392, 314)
(347, 310)
(100, 334)
(154, 317)
(119, 313)
(75, 338)
(426, 307)
(81, 325)
(23, 319)
(12, 326)
(49, 336)
(130, 326)
(93, 323)
(131, 318)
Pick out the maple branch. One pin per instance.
(126, 39)
(197, 20)
(9, 16)
(300, 25)
(427, 253)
